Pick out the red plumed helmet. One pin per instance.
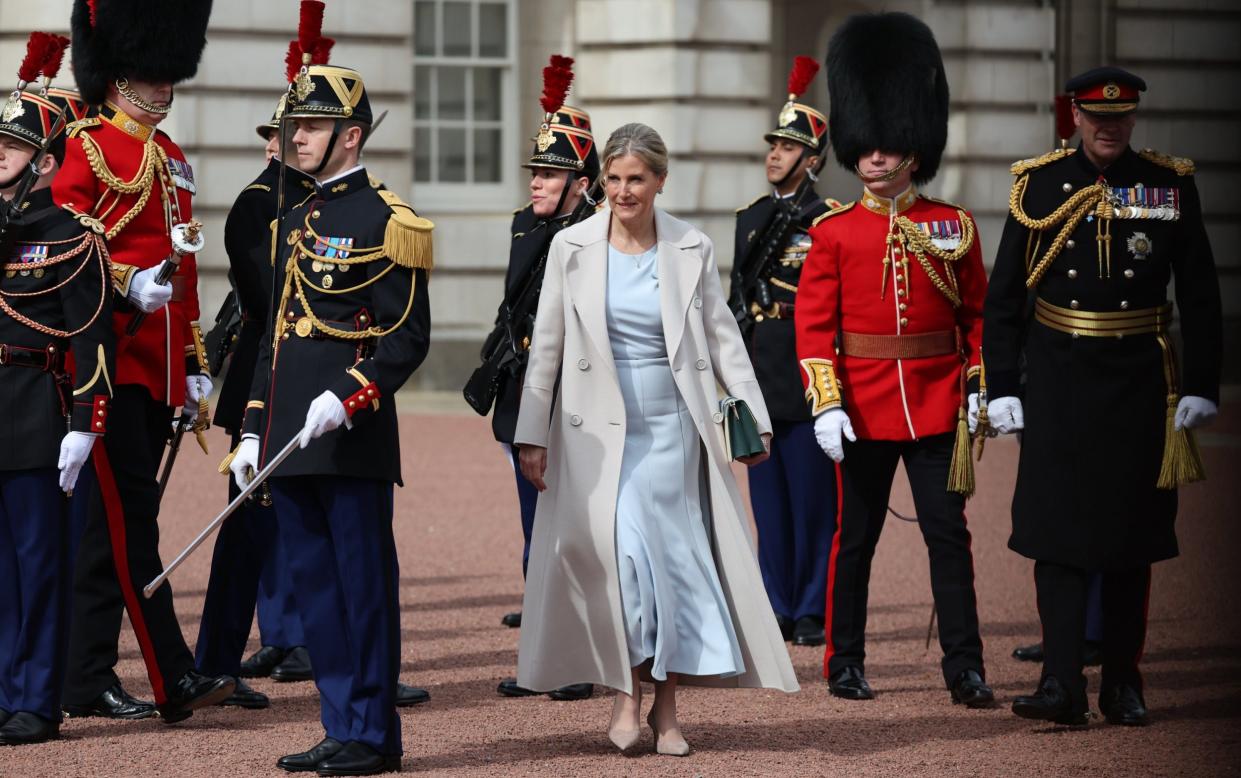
(803, 72)
(310, 24)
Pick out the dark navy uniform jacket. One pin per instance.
(773, 345)
(248, 242)
(55, 283)
(354, 319)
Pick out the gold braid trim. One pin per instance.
(1026, 165)
(89, 240)
(1182, 165)
(141, 184)
(1067, 217)
(823, 387)
(407, 238)
(917, 241)
(369, 332)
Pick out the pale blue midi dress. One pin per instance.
(674, 608)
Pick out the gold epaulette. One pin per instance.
(750, 204)
(73, 128)
(1182, 165)
(258, 187)
(938, 201)
(374, 182)
(522, 208)
(1026, 165)
(407, 238)
(833, 212)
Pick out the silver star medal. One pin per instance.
(1139, 245)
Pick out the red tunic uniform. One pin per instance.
(136, 182)
(865, 289)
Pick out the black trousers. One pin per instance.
(1062, 596)
(866, 483)
(119, 554)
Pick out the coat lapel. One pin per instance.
(586, 275)
(678, 278)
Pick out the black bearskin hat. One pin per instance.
(888, 91)
(148, 40)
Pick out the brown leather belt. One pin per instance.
(1109, 324)
(919, 346)
(48, 359)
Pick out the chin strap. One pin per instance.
(331, 145)
(888, 176)
(806, 153)
(129, 93)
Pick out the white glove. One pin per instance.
(1194, 412)
(196, 387)
(1006, 415)
(325, 414)
(972, 401)
(74, 451)
(245, 461)
(147, 295)
(828, 429)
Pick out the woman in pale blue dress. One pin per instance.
(676, 617)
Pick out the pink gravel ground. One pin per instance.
(459, 542)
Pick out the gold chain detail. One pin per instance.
(104, 260)
(915, 240)
(1068, 216)
(141, 184)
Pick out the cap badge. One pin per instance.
(545, 139)
(1111, 91)
(13, 109)
(1139, 245)
(788, 114)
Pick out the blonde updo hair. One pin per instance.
(640, 141)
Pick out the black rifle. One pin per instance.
(222, 338)
(749, 276)
(506, 349)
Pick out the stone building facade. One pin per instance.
(460, 81)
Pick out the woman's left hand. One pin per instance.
(754, 459)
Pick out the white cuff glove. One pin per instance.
(196, 387)
(245, 461)
(828, 429)
(325, 414)
(972, 400)
(74, 451)
(1006, 415)
(1194, 412)
(147, 295)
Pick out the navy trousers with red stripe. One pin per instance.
(1063, 593)
(793, 495)
(866, 483)
(119, 554)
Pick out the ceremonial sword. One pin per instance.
(251, 487)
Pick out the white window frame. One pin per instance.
(468, 196)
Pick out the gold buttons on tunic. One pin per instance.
(303, 328)
(1129, 273)
(1070, 244)
(1072, 273)
(1124, 305)
(904, 322)
(1067, 187)
(327, 282)
(1074, 304)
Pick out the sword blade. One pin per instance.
(254, 484)
(174, 446)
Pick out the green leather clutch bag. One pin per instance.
(740, 429)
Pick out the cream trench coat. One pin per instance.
(572, 630)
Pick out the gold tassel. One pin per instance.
(227, 461)
(961, 471)
(984, 424)
(1182, 462)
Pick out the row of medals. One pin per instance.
(319, 266)
(37, 273)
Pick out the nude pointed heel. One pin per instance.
(663, 746)
(624, 738)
